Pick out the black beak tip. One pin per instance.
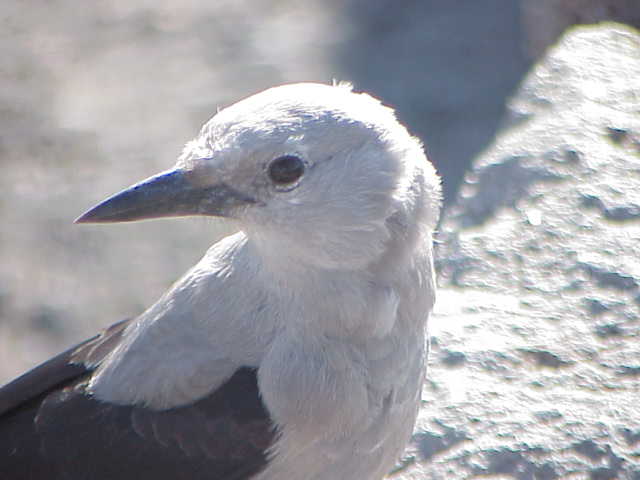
(88, 217)
(84, 218)
(101, 213)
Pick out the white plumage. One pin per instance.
(325, 290)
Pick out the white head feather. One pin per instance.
(326, 289)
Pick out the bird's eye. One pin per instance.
(285, 170)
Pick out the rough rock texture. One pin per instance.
(535, 372)
(545, 20)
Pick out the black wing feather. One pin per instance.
(50, 428)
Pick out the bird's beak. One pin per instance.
(174, 193)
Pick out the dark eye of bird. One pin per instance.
(285, 170)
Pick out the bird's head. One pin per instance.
(317, 171)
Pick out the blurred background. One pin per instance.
(96, 96)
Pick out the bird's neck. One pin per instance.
(227, 310)
(338, 302)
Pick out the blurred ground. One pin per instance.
(96, 97)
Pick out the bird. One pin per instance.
(295, 348)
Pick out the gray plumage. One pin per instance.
(325, 290)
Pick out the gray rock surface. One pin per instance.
(535, 372)
(545, 20)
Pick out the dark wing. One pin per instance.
(58, 370)
(51, 429)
